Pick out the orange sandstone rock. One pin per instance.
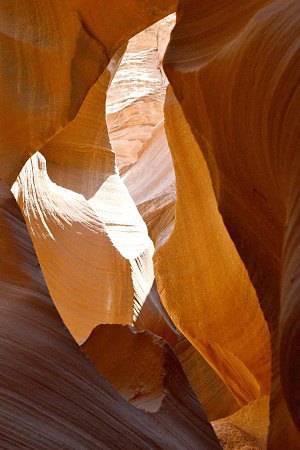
(151, 182)
(92, 244)
(201, 279)
(248, 426)
(51, 395)
(232, 130)
(52, 53)
(136, 96)
(235, 72)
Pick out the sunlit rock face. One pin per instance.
(136, 96)
(88, 234)
(52, 53)
(154, 159)
(235, 73)
(215, 272)
(54, 394)
(151, 184)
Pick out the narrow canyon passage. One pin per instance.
(150, 178)
(149, 185)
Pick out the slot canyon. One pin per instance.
(150, 224)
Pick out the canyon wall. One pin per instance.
(235, 74)
(150, 250)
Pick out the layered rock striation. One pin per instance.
(235, 74)
(156, 225)
(51, 394)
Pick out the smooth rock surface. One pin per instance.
(235, 72)
(51, 395)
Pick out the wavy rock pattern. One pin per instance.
(136, 96)
(213, 284)
(234, 71)
(52, 396)
(209, 190)
(151, 184)
(214, 396)
(51, 55)
(81, 216)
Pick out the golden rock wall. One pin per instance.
(150, 292)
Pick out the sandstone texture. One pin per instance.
(251, 149)
(81, 216)
(51, 394)
(51, 55)
(137, 93)
(149, 224)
